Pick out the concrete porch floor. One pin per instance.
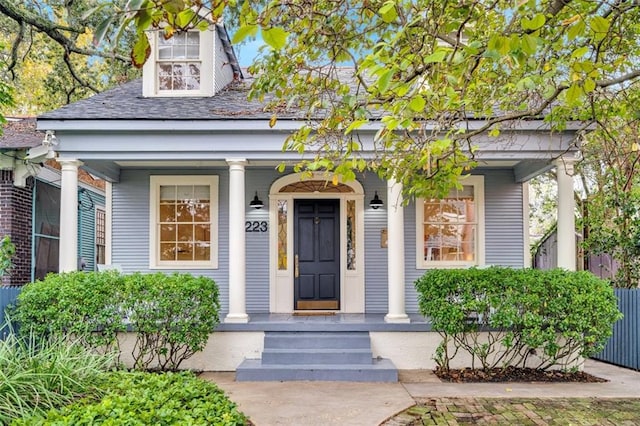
(324, 322)
(370, 404)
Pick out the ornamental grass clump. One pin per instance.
(502, 317)
(38, 374)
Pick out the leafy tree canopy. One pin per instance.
(48, 57)
(422, 68)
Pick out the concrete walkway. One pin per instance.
(364, 404)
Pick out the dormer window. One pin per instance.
(179, 62)
(191, 63)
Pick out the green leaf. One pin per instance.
(533, 24)
(355, 125)
(574, 93)
(141, 50)
(580, 52)
(529, 44)
(388, 11)
(202, 25)
(275, 37)
(134, 5)
(385, 80)
(174, 6)
(599, 24)
(243, 32)
(437, 56)
(101, 30)
(576, 29)
(143, 19)
(589, 85)
(185, 17)
(86, 15)
(417, 103)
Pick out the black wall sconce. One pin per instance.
(376, 203)
(256, 203)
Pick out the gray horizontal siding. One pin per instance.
(130, 224)
(504, 237)
(503, 232)
(257, 243)
(376, 287)
(504, 227)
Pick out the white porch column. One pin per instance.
(237, 262)
(395, 253)
(68, 248)
(566, 215)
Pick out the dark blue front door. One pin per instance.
(317, 254)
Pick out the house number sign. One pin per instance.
(256, 226)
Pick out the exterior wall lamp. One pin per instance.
(256, 203)
(376, 203)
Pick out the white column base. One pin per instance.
(237, 318)
(397, 319)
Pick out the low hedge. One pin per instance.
(137, 398)
(527, 317)
(171, 315)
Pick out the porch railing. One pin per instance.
(623, 348)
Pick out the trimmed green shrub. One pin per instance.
(136, 398)
(503, 316)
(171, 315)
(39, 374)
(83, 304)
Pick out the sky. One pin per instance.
(247, 51)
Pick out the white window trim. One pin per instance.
(477, 181)
(150, 69)
(95, 232)
(154, 198)
(172, 60)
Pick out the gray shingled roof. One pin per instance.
(126, 102)
(20, 133)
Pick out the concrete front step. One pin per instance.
(317, 356)
(317, 340)
(380, 370)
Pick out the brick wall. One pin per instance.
(15, 221)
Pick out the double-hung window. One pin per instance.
(450, 230)
(179, 62)
(183, 222)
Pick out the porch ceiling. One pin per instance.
(524, 170)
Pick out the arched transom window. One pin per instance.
(319, 186)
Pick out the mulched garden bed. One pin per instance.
(512, 374)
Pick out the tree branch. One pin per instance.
(76, 77)
(14, 51)
(618, 80)
(556, 6)
(53, 31)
